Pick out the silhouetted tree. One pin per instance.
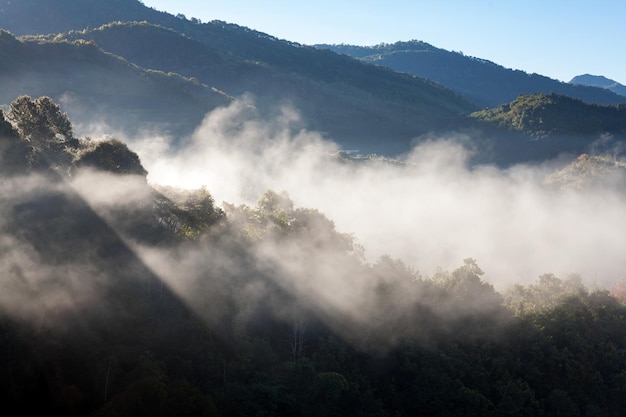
(6, 129)
(112, 156)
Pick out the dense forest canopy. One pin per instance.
(541, 115)
(124, 297)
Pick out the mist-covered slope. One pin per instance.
(121, 297)
(591, 171)
(362, 106)
(96, 86)
(483, 82)
(359, 106)
(76, 301)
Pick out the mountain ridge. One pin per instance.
(599, 81)
(542, 115)
(483, 82)
(360, 106)
(94, 84)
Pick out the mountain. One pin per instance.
(95, 86)
(543, 126)
(483, 82)
(186, 68)
(27, 17)
(360, 106)
(544, 115)
(600, 82)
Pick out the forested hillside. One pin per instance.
(544, 115)
(483, 82)
(125, 298)
(363, 107)
(167, 72)
(100, 87)
(34, 17)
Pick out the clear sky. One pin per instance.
(556, 38)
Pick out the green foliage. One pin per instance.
(542, 115)
(40, 120)
(101, 86)
(275, 217)
(186, 213)
(110, 155)
(465, 284)
(34, 17)
(44, 135)
(43, 140)
(329, 386)
(546, 294)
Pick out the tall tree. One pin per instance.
(40, 120)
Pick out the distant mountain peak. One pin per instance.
(599, 81)
(481, 81)
(593, 80)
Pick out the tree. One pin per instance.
(112, 156)
(559, 403)
(466, 286)
(56, 121)
(198, 212)
(188, 213)
(40, 120)
(277, 208)
(297, 330)
(46, 134)
(618, 291)
(23, 113)
(516, 398)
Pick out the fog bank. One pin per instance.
(432, 210)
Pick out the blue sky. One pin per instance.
(556, 38)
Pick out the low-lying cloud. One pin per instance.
(432, 209)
